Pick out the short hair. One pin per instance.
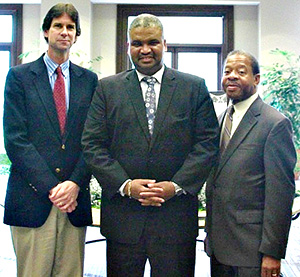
(253, 60)
(146, 20)
(57, 11)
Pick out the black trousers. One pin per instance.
(166, 260)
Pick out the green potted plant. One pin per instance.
(281, 89)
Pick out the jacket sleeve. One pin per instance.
(96, 143)
(81, 171)
(279, 162)
(203, 155)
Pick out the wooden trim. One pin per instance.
(16, 46)
(123, 11)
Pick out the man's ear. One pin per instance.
(46, 33)
(257, 79)
(165, 45)
(128, 48)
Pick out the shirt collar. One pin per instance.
(158, 75)
(51, 65)
(243, 106)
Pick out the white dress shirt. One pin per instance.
(240, 110)
(158, 76)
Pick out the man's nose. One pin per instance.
(232, 75)
(145, 49)
(64, 31)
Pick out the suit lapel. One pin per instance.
(221, 118)
(43, 88)
(249, 120)
(75, 96)
(135, 93)
(166, 93)
(136, 96)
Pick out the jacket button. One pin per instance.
(63, 147)
(57, 170)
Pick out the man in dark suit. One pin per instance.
(250, 195)
(150, 174)
(48, 201)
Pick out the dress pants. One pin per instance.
(54, 249)
(166, 259)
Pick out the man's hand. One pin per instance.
(157, 193)
(137, 186)
(64, 196)
(270, 267)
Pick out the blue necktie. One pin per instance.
(150, 102)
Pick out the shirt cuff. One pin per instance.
(178, 189)
(121, 189)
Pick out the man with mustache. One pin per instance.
(151, 144)
(250, 193)
(48, 201)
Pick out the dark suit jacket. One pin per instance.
(249, 198)
(183, 147)
(40, 157)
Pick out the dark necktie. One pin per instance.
(227, 129)
(150, 102)
(60, 99)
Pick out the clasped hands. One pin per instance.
(64, 196)
(150, 193)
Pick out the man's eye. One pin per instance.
(136, 44)
(153, 42)
(71, 27)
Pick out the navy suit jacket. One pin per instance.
(40, 156)
(250, 194)
(183, 148)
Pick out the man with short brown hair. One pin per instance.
(48, 202)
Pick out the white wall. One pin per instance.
(104, 38)
(246, 35)
(279, 27)
(31, 31)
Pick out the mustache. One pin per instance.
(230, 83)
(146, 56)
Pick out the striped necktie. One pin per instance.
(227, 129)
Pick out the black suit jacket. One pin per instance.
(40, 157)
(117, 146)
(250, 195)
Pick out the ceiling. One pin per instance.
(185, 2)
